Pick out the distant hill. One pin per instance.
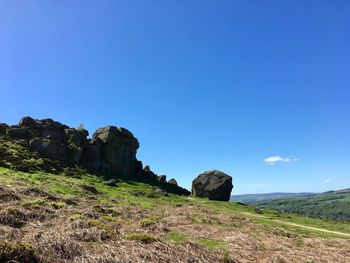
(331, 205)
(347, 190)
(251, 198)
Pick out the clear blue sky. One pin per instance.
(202, 84)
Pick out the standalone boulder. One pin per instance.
(213, 184)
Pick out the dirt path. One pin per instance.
(298, 225)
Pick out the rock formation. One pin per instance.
(215, 185)
(172, 181)
(118, 149)
(111, 151)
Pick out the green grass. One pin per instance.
(327, 206)
(66, 189)
(76, 217)
(114, 219)
(227, 207)
(177, 237)
(212, 243)
(148, 222)
(37, 203)
(142, 195)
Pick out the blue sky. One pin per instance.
(258, 89)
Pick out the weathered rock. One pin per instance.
(146, 173)
(111, 151)
(48, 122)
(18, 133)
(3, 128)
(45, 147)
(52, 133)
(73, 136)
(84, 133)
(162, 178)
(118, 149)
(27, 122)
(75, 153)
(139, 168)
(172, 181)
(92, 156)
(112, 182)
(215, 185)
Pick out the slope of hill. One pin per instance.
(57, 218)
(251, 198)
(332, 205)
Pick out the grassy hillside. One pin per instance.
(334, 205)
(251, 198)
(59, 218)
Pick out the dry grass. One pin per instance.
(87, 230)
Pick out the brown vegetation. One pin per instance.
(37, 228)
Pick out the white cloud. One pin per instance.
(276, 159)
(326, 181)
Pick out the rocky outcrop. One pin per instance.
(111, 151)
(215, 185)
(118, 149)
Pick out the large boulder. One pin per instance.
(215, 185)
(118, 149)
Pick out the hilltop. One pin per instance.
(57, 209)
(251, 198)
(331, 205)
